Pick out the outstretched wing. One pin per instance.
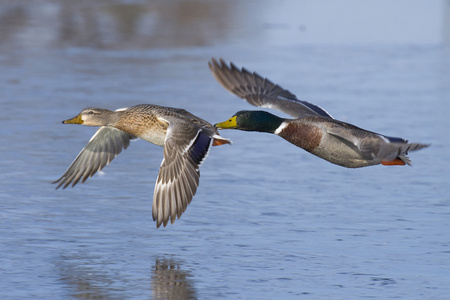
(259, 91)
(101, 149)
(185, 148)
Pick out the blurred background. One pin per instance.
(158, 24)
(269, 220)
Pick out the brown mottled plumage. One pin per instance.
(186, 140)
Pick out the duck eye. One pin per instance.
(91, 112)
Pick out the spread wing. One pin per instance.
(101, 149)
(259, 91)
(185, 147)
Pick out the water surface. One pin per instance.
(269, 220)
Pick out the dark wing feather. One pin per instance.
(259, 91)
(185, 148)
(101, 149)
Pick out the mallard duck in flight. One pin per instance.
(312, 128)
(186, 140)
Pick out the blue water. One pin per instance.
(269, 220)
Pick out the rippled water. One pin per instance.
(269, 220)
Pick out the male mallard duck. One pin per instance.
(186, 140)
(313, 129)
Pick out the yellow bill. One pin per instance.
(75, 120)
(229, 124)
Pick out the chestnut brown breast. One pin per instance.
(303, 135)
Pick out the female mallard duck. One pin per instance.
(313, 129)
(186, 140)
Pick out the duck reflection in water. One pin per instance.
(170, 281)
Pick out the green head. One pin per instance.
(252, 120)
